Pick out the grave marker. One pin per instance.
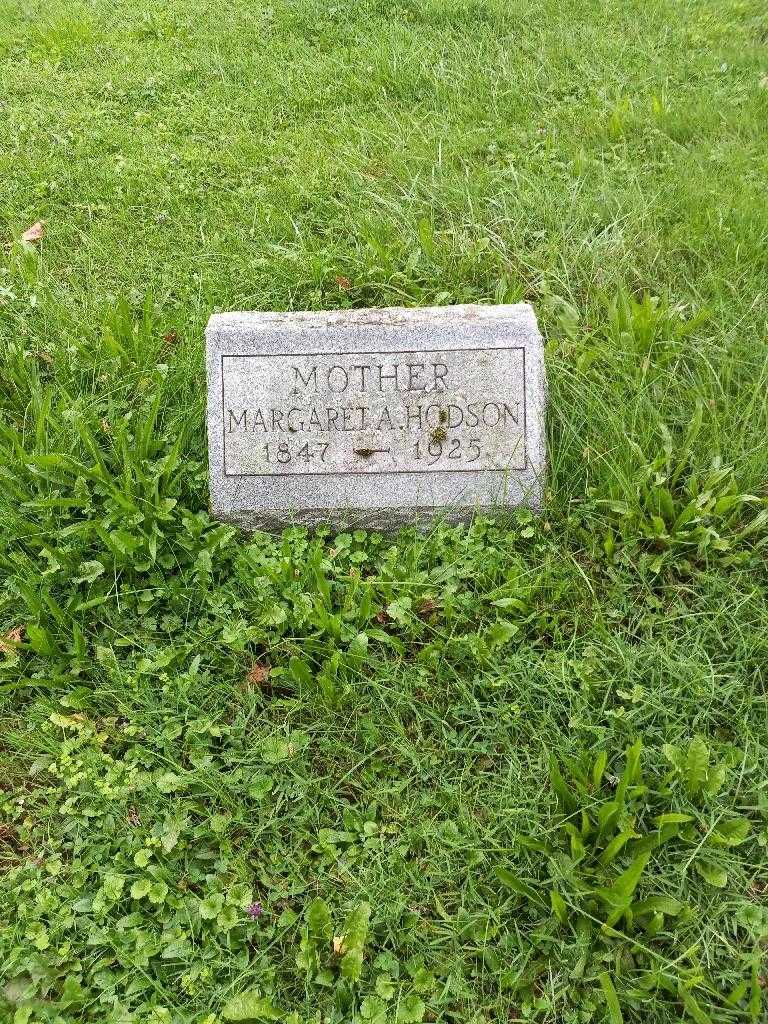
(378, 417)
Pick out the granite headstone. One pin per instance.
(375, 417)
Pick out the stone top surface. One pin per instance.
(376, 416)
(391, 316)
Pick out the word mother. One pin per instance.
(363, 377)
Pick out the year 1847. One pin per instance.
(283, 453)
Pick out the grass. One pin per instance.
(509, 771)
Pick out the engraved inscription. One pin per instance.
(394, 412)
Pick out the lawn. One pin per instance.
(509, 771)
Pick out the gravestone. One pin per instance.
(376, 417)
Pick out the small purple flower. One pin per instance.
(255, 910)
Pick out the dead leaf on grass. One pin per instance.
(258, 675)
(35, 233)
(757, 889)
(339, 945)
(11, 640)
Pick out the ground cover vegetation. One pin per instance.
(509, 771)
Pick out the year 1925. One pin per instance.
(452, 448)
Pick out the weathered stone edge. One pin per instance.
(393, 316)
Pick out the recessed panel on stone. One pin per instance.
(380, 417)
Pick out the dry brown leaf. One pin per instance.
(757, 889)
(9, 642)
(339, 945)
(259, 674)
(34, 233)
(343, 282)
